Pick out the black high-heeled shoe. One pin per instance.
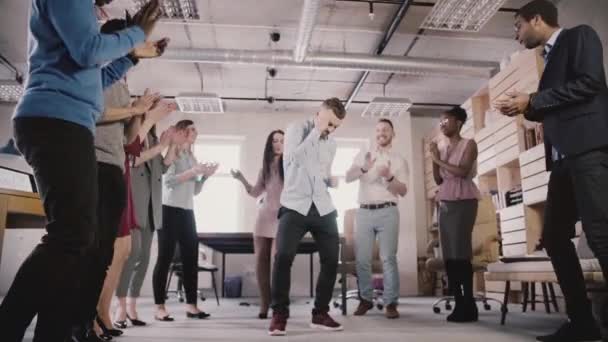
(108, 331)
(120, 324)
(89, 336)
(199, 315)
(136, 322)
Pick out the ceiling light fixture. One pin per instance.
(197, 103)
(386, 107)
(174, 9)
(10, 91)
(461, 15)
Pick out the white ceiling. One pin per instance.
(342, 26)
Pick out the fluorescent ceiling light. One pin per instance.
(386, 107)
(199, 103)
(461, 15)
(174, 9)
(10, 91)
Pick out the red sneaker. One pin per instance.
(277, 325)
(322, 321)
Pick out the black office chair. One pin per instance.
(176, 269)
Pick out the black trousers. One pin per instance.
(178, 227)
(112, 198)
(62, 157)
(292, 227)
(578, 188)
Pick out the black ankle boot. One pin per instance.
(455, 289)
(468, 309)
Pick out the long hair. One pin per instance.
(269, 156)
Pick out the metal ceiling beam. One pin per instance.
(399, 15)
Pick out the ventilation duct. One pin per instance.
(341, 61)
(310, 11)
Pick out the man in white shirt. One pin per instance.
(306, 206)
(383, 175)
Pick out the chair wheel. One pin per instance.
(202, 298)
(487, 307)
(379, 306)
(448, 307)
(336, 305)
(181, 300)
(436, 310)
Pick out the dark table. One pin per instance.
(242, 243)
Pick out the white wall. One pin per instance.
(254, 129)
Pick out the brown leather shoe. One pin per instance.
(364, 307)
(391, 311)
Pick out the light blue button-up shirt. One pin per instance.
(307, 160)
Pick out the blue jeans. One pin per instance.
(383, 225)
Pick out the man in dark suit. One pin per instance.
(572, 104)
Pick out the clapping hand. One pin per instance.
(151, 49)
(206, 169)
(167, 136)
(516, 103)
(146, 17)
(161, 110)
(145, 102)
(236, 173)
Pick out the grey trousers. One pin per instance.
(134, 272)
(456, 222)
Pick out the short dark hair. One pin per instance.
(458, 113)
(336, 106)
(183, 124)
(543, 8)
(387, 121)
(113, 25)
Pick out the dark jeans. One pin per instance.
(178, 227)
(578, 188)
(62, 157)
(292, 227)
(111, 203)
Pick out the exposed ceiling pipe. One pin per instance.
(388, 34)
(341, 61)
(310, 12)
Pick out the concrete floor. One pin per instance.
(234, 322)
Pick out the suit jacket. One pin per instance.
(146, 185)
(572, 97)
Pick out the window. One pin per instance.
(345, 196)
(216, 208)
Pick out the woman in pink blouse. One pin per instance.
(454, 167)
(270, 183)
